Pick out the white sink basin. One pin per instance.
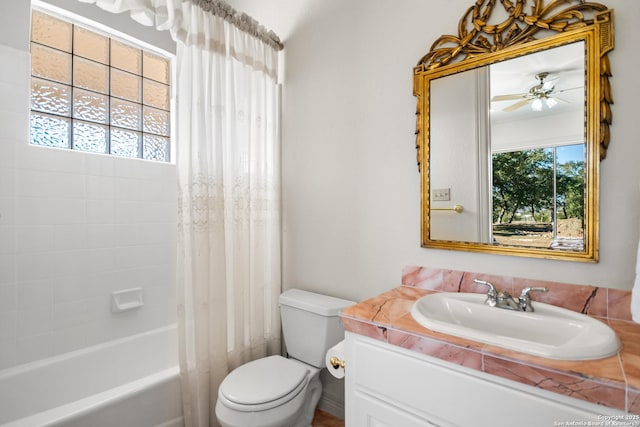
(549, 331)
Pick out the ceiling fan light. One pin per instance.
(551, 102)
(536, 105)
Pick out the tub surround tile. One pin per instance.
(612, 381)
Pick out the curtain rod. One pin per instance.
(241, 20)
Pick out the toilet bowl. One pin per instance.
(269, 392)
(283, 392)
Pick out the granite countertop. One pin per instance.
(613, 382)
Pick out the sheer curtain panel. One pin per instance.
(226, 135)
(229, 231)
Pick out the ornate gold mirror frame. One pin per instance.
(480, 43)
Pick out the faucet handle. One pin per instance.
(492, 289)
(492, 293)
(525, 301)
(525, 292)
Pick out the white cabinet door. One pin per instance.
(370, 411)
(389, 386)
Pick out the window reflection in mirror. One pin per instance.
(538, 197)
(538, 171)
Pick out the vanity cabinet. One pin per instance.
(391, 386)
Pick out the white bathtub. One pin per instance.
(130, 382)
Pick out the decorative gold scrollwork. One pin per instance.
(476, 36)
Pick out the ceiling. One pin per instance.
(280, 16)
(566, 68)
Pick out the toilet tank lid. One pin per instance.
(316, 303)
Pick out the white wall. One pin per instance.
(351, 187)
(73, 228)
(538, 131)
(454, 158)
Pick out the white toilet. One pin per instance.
(283, 392)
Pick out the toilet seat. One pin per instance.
(263, 384)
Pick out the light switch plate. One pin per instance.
(441, 195)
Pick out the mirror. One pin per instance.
(509, 141)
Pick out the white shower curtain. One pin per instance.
(228, 162)
(229, 222)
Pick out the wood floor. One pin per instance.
(324, 419)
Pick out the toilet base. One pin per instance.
(314, 391)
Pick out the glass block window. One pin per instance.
(93, 93)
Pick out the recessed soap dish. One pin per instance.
(126, 299)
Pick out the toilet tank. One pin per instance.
(311, 324)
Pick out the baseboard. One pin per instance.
(332, 405)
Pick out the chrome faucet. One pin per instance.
(492, 293)
(503, 299)
(525, 301)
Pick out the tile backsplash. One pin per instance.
(75, 227)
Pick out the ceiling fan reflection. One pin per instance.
(541, 94)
